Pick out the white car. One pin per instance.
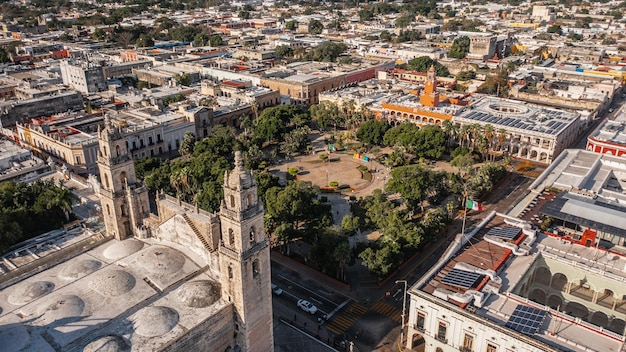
(277, 290)
(307, 306)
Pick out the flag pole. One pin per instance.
(464, 216)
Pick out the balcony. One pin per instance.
(441, 339)
(465, 349)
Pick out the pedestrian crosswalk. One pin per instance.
(531, 174)
(387, 310)
(342, 321)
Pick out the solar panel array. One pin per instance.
(526, 320)
(507, 232)
(461, 278)
(555, 121)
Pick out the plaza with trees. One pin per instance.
(297, 211)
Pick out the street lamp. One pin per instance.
(403, 310)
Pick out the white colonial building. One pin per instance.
(505, 287)
(534, 133)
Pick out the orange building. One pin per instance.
(432, 108)
(430, 96)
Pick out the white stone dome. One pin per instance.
(121, 249)
(112, 283)
(14, 337)
(63, 307)
(110, 343)
(30, 292)
(154, 321)
(162, 260)
(199, 294)
(79, 269)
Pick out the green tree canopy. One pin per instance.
(327, 51)
(460, 47)
(284, 51)
(372, 131)
(404, 21)
(315, 27)
(555, 28)
(186, 146)
(296, 208)
(423, 63)
(21, 204)
(291, 25)
(216, 40)
(465, 75)
(269, 128)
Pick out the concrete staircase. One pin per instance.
(205, 243)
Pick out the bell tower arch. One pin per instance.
(244, 258)
(124, 200)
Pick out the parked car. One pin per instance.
(277, 290)
(307, 306)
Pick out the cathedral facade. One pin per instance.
(180, 280)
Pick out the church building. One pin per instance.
(183, 279)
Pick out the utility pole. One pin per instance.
(403, 310)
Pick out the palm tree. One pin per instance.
(475, 131)
(465, 134)
(255, 108)
(501, 136)
(446, 126)
(490, 134)
(62, 198)
(342, 254)
(246, 123)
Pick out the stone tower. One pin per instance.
(124, 200)
(430, 96)
(244, 258)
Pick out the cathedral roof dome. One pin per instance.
(112, 283)
(199, 294)
(66, 306)
(109, 343)
(80, 269)
(30, 292)
(155, 321)
(121, 249)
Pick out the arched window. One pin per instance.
(232, 201)
(230, 272)
(123, 178)
(252, 234)
(108, 210)
(117, 150)
(123, 210)
(248, 201)
(255, 268)
(104, 151)
(106, 181)
(231, 236)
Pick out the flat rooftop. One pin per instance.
(504, 263)
(129, 291)
(612, 131)
(511, 114)
(599, 176)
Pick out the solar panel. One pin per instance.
(507, 232)
(461, 278)
(526, 320)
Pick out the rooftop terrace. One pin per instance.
(504, 264)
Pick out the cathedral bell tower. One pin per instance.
(430, 96)
(244, 257)
(124, 201)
